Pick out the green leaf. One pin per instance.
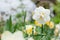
(8, 25)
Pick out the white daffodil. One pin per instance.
(41, 15)
(12, 36)
(29, 29)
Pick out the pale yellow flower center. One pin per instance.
(38, 24)
(42, 15)
(29, 31)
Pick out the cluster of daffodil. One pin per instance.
(41, 19)
(41, 29)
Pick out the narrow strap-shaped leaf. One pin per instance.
(8, 25)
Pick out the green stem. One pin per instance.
(42, 31)
(40, 35)
(24, 17)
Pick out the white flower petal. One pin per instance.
(47, 18)
(39, 10)
(47, 11)
(36, 16)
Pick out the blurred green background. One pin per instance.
(56, 18)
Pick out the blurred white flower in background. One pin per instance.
(41, 15)
(14, 3)
(9, 7)
(58, 26)
(18, 35)
(12, 36)
(30, 38)
(5, 17)
(51, 10)
(6, 36)
(29, 7)
(12, 7)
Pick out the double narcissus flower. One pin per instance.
(29, 29)
(41, 15)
